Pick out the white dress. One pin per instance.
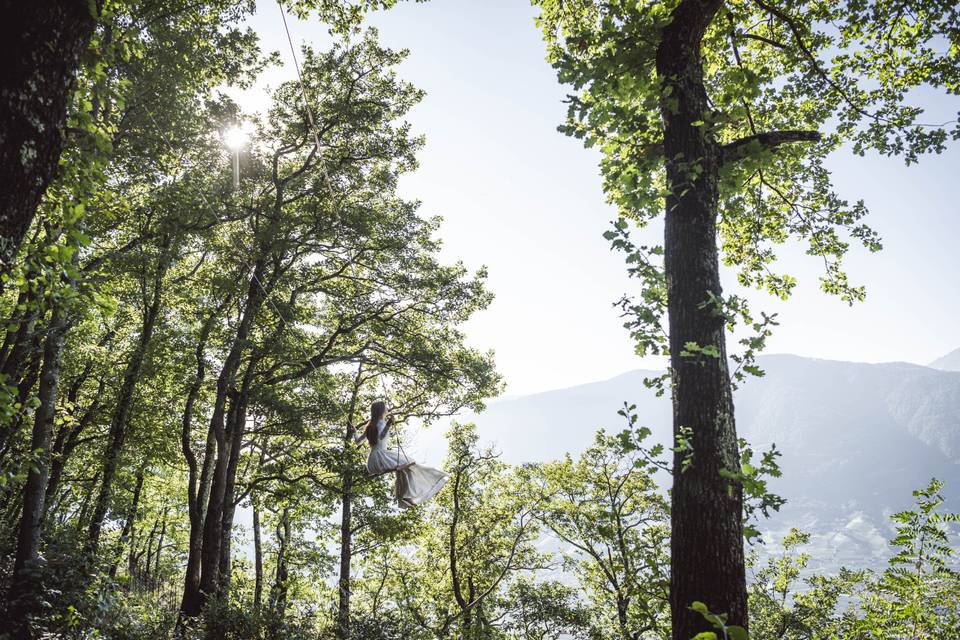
(416, 483)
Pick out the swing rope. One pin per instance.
(316, 139)
(312, 125)
(401, 454)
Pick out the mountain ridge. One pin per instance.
(948, 362)
(856, 439)
(652, 372)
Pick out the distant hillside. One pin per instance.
(856, 439)
(949, 362)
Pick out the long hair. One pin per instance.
(377, 410)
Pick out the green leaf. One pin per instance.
(737, 633)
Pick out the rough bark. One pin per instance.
(121, 414)
(707, 561)
(25, 585)
(42, 47)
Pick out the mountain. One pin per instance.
(856, 440)
(949, 362)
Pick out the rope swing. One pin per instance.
(425, 483)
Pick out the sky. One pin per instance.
(526, 201)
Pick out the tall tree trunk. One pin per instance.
(707, 561)
(68, 438)
(118, 424)
(21, 359)
(129, 531)
(43, 44)
(213, 521)
(156, 561)
(468, 611)
(198, 481)
(278, 594)
(257, 555)
(30, 371)
(17, 323)
(236, 430)
(346, 556)
(143, 577)
(25, 585)
(192, 600)
(85, 505)
(346, 514)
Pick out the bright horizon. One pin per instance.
(526, 201)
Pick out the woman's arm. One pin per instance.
(385, 428)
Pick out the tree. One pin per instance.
(720, 116)
(539, 609)
(606, 507)
(50, 40)
(918, 595)
(915, 597)
(477, 538)
(423, 389)
(779, 610)
(256, 301)
(24, 583)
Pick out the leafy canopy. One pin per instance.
(817, 75)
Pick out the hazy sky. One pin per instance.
(524, 200)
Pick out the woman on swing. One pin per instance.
(415, 483)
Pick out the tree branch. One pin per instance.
(759, 38)
(738, 149)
